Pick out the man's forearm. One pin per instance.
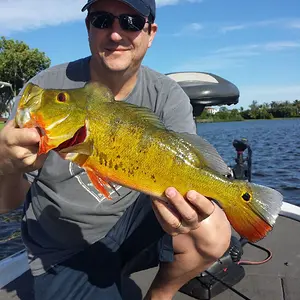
(13, 189)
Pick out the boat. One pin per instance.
(266, 270)
(6, 100)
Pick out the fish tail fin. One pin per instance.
(259, 214)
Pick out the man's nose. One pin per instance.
(116, 31)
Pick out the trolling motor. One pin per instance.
(226, 271)
(243, 168)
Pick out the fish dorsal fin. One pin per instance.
(142, 114)
(98, 91)
(209, 154)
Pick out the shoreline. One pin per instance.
(245, 120)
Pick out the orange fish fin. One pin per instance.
(99, 183)
(44, 145)
(249, 225)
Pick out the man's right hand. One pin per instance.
(18, 150)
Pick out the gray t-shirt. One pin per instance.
(63, 212)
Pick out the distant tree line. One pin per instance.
(275, 109)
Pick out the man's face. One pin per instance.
(114, 48)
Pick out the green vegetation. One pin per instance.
(18, 63)
(279, 109)
(1, 125)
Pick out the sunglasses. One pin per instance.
(104, 20)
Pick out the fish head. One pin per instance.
(58, 115)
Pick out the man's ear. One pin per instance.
(153, 31)
(87, 23)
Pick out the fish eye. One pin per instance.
(246, 197)
(61, 97)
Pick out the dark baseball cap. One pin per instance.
(146, 8)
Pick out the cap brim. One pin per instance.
(139, 6)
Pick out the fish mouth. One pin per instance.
(78, 137)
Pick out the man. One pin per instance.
(80, 245)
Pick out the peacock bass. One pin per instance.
(117, 142)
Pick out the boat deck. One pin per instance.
(278, 279)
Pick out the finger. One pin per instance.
(204, 206)
(188, 214)
(168, 218)
(22, 137)
(10, 124)
(23, 151)
(34, 162)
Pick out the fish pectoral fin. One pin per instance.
(85, 148)
(208, 153)
(101, 184)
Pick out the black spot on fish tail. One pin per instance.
(116, 167)
(246, 197)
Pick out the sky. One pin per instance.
(254, 44)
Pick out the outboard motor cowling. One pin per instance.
(206, 89)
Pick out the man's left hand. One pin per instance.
(183, 214)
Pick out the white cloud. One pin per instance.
(19, 15)
(235, 49)
(279, 23)
(233, 28)
(189, 29)
(295, 24)
(277, 46)
(258, 48)
(247, 25)
(234, 57)
(213, 63)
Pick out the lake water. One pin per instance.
(276, 163)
